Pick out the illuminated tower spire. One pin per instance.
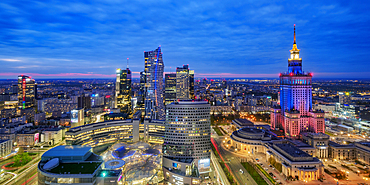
(294, 62)
(294, 34)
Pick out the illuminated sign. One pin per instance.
(37, 135)
(74, 116)
(204, 165)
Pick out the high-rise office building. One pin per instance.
(295, 114)
(154, 67)
(141, 93)
(187, 140)
(184, 83)
(170, 88)
(26, 92)
(123, 91)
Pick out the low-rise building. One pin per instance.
(72, 165)
(5, 147)
(295, 162)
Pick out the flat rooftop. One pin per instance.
(244, 122)
(76, 168)
(292, 150)
(67, 150)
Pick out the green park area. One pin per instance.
(266, 174)
(255, 175)
(217, 130)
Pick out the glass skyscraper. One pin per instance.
(184, 83)
(26, 92)
(124, 91)
(170, 88)
(154, 68)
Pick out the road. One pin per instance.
(234, 164)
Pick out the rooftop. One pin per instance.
(76, 168)
(244, 122)
(292, 150)
(109, 173)
(67, 150)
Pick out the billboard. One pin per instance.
(36, 138)
(204, 165)
(74, 116)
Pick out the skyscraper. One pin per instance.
(170, 88)
(295, 113)
(123, 91)
(154, 67)
(141, 94)
(184, 83)
(26, 92)
(187, 140)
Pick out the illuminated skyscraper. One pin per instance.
(184, 83)
(141, 94)
(154, 66)
(26, 92)
(187, 141)
(295, 113)
(170, 88)
(124, 91)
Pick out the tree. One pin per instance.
(21, 150)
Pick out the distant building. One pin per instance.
(26, 92)
(154, 68)
(77, 117)
(124, 91)
(170, 88)
(184, 83)
(345, 98)
(53, 136)
(39, 118)
(295, 114)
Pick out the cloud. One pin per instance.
(212, 36)
(10, 60)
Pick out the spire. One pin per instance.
(294, 44)
(294, 35)
(127, 63)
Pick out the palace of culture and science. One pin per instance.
(295, 114)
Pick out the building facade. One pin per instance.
(26, 92)
(186, 147)
(124, 91)
(184, 83)
(154, 68)
(295, 114)
(170, 88)
(5, 147)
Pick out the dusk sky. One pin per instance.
(218, 38)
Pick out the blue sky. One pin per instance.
(90, 39)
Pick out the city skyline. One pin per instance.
(235, 40)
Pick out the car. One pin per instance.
(274, 177)
(271, 174)
(257, 160)
(266, 169)
(261, 164)
(241, 171)
(270, 165)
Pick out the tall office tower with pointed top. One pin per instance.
(123, 93)
(27, 91)
(295, 114)
(154, 68)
